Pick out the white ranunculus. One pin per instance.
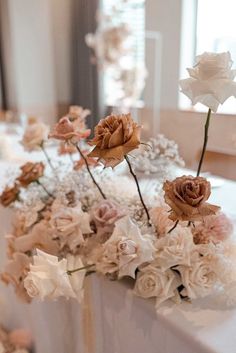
(76, 278)
(199, 279)
(34, 136)
(125, 250)
(175, 248)
(48, 277)
(69, 224)
(211, 80)
(153, 282)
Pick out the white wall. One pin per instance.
(164, 16)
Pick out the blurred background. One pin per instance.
(117, 55)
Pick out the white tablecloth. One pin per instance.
(113, 321)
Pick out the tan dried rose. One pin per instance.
(9, 195)
(187, 197)
(115, 136)
(30, 172)
(66, 130)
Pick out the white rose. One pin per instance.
(175, 248)
(48, 277)
(76, 278)
(153, 282)
(70, 224)
(126, 249)
(34, 136)
(198, 279)
(211, 80)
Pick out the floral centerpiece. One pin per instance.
(172, 244)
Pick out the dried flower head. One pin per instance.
(115, 136)
(187, 197)
(66, 130)
(9, 195)
(30, 172)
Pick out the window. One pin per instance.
(131, 12)
(213, 29)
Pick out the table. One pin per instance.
(113, 321)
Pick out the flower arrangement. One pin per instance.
(16, 341)
(172, 244)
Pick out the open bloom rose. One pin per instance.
(34, 136)
(199, 278)
(9, 195)
(69, 224)
(48, 278)
(30, 172)
(115, 136)
(187, 197)
(214, 229)
(211, 80)
(65, 130)
(126, 250)
(153, 282)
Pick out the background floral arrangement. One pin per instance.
(173, 244)
(16, 341)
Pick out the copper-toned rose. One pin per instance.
(9, 195)
(115, 136)
(187, 197)
(66, 130)
(30, 172)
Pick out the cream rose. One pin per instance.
(76, 278)
(34, 136)
(153, 282)
(175, 248)
(48, 277)
(70, 223)
(199, 278)
(125, 250)
(211, 80)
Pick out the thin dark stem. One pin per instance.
(174, 226)
(70, 272)
(89, 171)
(138, 187)
(205, 141)
(43, 187)
(48, 159)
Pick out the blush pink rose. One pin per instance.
(215, 228)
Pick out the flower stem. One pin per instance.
(43, 187)
(70, 272)
(174, 226)
(205, 142)
(89, 171)
(48, 159)
(138, 187)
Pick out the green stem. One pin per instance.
(138, 188)
(205, 141)
(89, 171)
(70, 272)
